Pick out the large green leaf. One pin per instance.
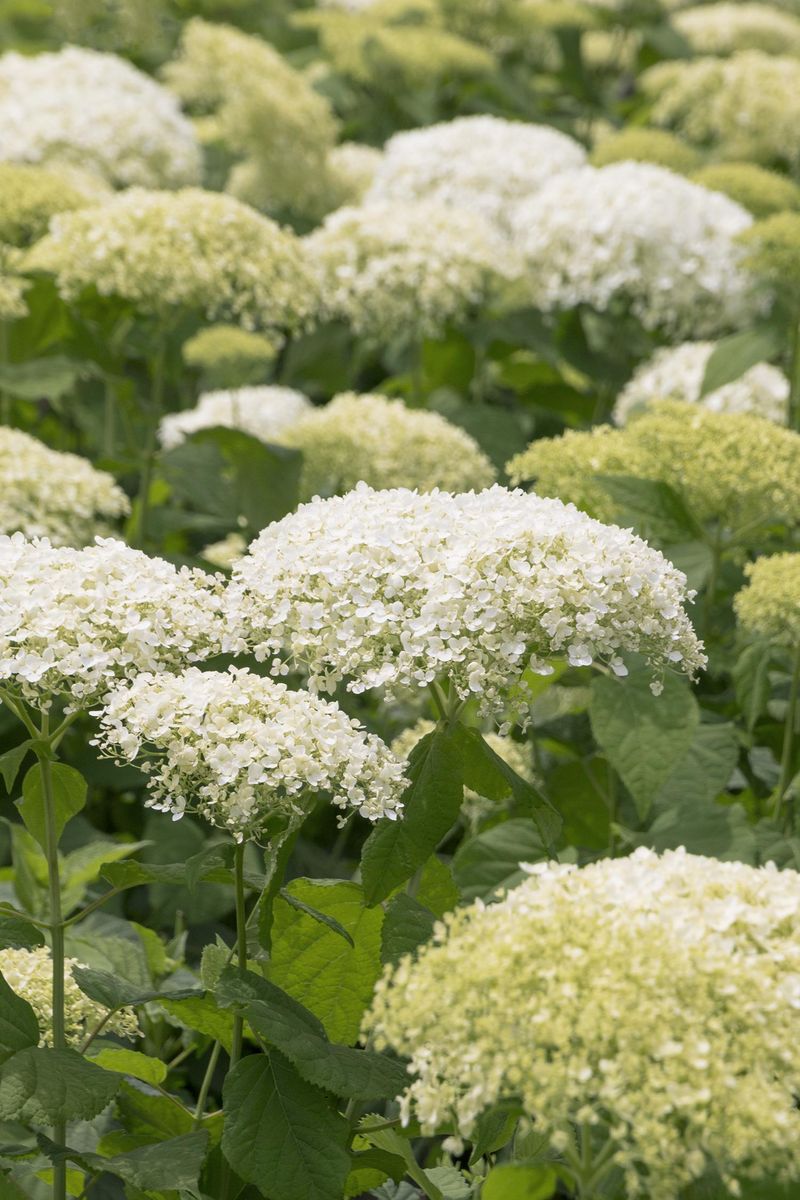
(131, 1062)
(314, 963)
(516, 1181)
(732, 356)
(16, 932)
(285, 1024)
(396, 849)
(43, 378)
(69, 797)
(643, 736)
(491, 859)
(282, 1133)
(407, 925)
(652, 506)
(42, 1087)
(113, 992)
(19, 1027)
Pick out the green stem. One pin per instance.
(56, 938)
(787, 754)
(17, 708)
(5, 399)
(226, 1190)
(205, 1087)
(711, 586)
(109, 413)
(139, 532)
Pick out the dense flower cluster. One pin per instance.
(29, 197)
(744, 107)
(646, 145)
(231, 355)
(29, 973)
(728, 27)
(652, 1001)
(398, 589)
(482, 163)
(236, 748)
(263, 412)
(769, 606)
(98, 112)
(386, 444)
(760, 191)
(638, 235)
(676, 373)
(73, 621)
(351, 168)
(264, 113)
(45, 493)
(772, 252)
(398, 271)
(194, 249)
(12, 285)
(734, 470)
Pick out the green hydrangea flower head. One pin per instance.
(646, 145)
(29, 197)
(773, 253)
(769, 605)
(760, 191)
(725, 28)
(229, 356)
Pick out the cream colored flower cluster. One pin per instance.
(405, 271)
(73, 621)
(399, 589)
(98, 112)
(189, 249)
(46, 493)
(761, 191)
(29, 197)
(29, 973)
(385, 444)
(652, 1001)
(237, 748)
(676, 373)
(639, 144)
(744, 107)
(264, 412)
(769, 605)
(225, 351)
(638, 236)
(351, 169)
(260, 110)
(725, 28)
(483, 163)
(734, 470)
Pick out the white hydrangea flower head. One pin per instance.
(677, 372)
(727, 27)
(191, 249)
(636, 235)
(745, 107)
(484, 164)
(47, 493)
(74, 621)
(385, 444)
(98, 112)
(606, 997)
(29, 973)
(236, 748)
(264, 412)
(406, 270)
(399, 589)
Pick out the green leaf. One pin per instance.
(292, 1029)
(643, 736)
(19, 1027)
(315, 965)
(10, 763)
(131, 1062)
(407, 924)
(494, 1130)
(491, 860)
(519, 1182)
(69, 797)
(490, 775)
(752, 682)
(734, 355)
(283, 1131)
(703, 772)
(112, 992)
(171, 1165)
(576, 789)
(395, 849)
(203, 1015)
(16, 932)
(146, 1113)
(652, 506)
(43, 378)
(316, 915)
(44, 1087)
(395, 1144)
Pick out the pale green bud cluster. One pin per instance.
(743, 107)
(646, 145)
(725, 28)
(191, 249)
(733, 470)
(385, 444)
(769, 605)
(773, 253)
(29, 973)
(29, 197)
(760, 191)
(653, 1001)
(229, 356)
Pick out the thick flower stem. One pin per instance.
(56, 926)
(787, 754)
(241, 956)
(157, 374)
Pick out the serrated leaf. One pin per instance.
(292, 1029)
(643, 736)
(43, 378)
(316, 966)
(10, 763)
(704, 770)
(280, 1129)
(131, 1062)
(316, 915)
(491, 859)
(732, 356)
(112, 992)
(69, 797)
(494, 1129)
(516, 1181)
(485, 768)
(652, 506)
(17, 932)
(396, 849)
(436, 888)
(394, 1143)
(203, 1015)
(18, 1024)
(164, 1166)
(43, 1087)
(407, 924)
